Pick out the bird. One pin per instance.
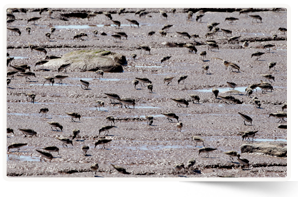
(116, 36)
(8, 81)
(106, 129)
(99, 103)
(27, 74)
(257, 54)
(94, 167)
(85, 84)
(49, 79)
(206, 150)
(133, 22)
(144, 80)
(231, 19)
(179, 126)
(31, 96)
(191, 48)
(180, 101)
(149, 119)
(45, 155)
(271, 65)
(162, 33)
(85, 149)
(28, 30)
(282, 29)
(48, 35)
(179, 167)
(44, 110)
(242, 161)
(108, 15)
(128, 101)
(231, 154)
(55, 125)
(15, 30)
(103, 141)
(63, 67)
(191, 163)
(75, 133)
(168, 80)
(11, 73)
(145, 48)
(120, 169)
(121, 10)
(113, 96)
(33, 19)
(233, 38)
(122, 34)
(231, 84)
(134, 56)
(265, 87)
(205, 68)
(231, 99)
(60, 77)
(256, 17)
(171, 115)
(28, 132)
(215, 91)
(163, 13)
(151, 33)
(256, 101)
(166, 27)
(248, 134)
(41, 62)
(245, 44)
(150, 87)
(212, 46)
(39, 49)
(16, 145)
(226, 31)
(203, 54)
(282, 126)
(195, 98)
(269, 46)
(268, 76)
(64, 140)
(9, 60)
(165, 59)
(95, 32)
(284, 106)
(111, 119)
(51, 149)
(173, 10)
(189, 15)
(280, 115)
(9, 130)
(99, 72)
(246, 118)
(245, 11)
(182, 78)
(74, 115)
(184, 34)
(199, 17)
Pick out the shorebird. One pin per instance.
(31, 96)
(95, 32)
(203, 54)
(99, 103)
(257, 54)
(85, 149)
(51, 149)
(171, 115)
(189, 15)
(182, 78)
(256, 101)
(191, 48)
(245, 11)
(268, 76)
(206, 150)
(113, 96)
(53, 29)
(180, 101)
(212, 46)
(103, 141)
(64, 140)
(133, 22)
(75, 133)
(180, 125)
(122, 34)
(116, 36)
(191, 163)
(11, 73)
(38, 49)
(256, 17)
(74, 115)
(63, 67)
(179, 167)
(149, 120)
(84, 85)
(265, 87)
(9, 130)
(151, 33)
(116, 23)
(284, 106)
(166, 27)
(163, 14)
(195, 35)
(242, 161)
(271, 65)
(231, 154)
(27, 74)
(48, 35)
(195, 98)
(29, 132)
(280, 115)
(128, 101)
(16, 145)
(108, 15)
(94, 167)
(233, 38)
(282, 29)
(227, 31)
(18, 68)
(9, 60)
(8, 81)
(145, 48)
(246, 118)
(165, 58)
(231, 99)
(268, 46)
(282, 126)
(49, 79)
(106, 129)
(199, 17)
(162, 33)
(60, 77)
(121, 10)
(33, 19)
(173, 10)
(135, 82)
(215, 91)
(139, 11)
(134, 56)
(248, 134)
(45, 155)
(183, 34)
(143, 80)
(15, 30)
(205, 68)
(55, 125)
(120, 169)
(168, 80)
(150, 87)
(245, 44)
(111, 119)
(209, 34)
(44, 110)
(41, 62)
(28, 30)
(231, 84)
(231, 19)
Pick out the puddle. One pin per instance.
(21, 114)
(241, 89)
(270, 140)
(149, 66)
(106, 79)
(55, 84)
(255, 34)
(100, 109)
(101, 79)
(85, 26)
(19, 57)
(158, 147)
(21, 158)
(146, 107)
(155, 116)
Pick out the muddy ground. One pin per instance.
(148, 151)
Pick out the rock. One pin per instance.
(89, 60)
(270, 149)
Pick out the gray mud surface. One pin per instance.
(147, 151)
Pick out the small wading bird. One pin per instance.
(242, 161)
(179, 167)
(194, 98)
(99, 73)
(135, 82)
(84, 85)
(31, 96)
(29, 132)
(99, 103)
(45, 155)
(113, 96)
(111, 119)
(149, 120)
(150, 87)
(51, 149)
(55, 125)
(44, 111)
(206, 150)
(182, 78)
(231, 154)
(180, 125)
(65, 141)
(9, 130)
(106, 129)
(280, 115)
(16, 145)
(15, 30)
(49, 79)
(63, 67)
(120, 169)
(133, 22)
(168, 80)
(143, 80)
(94, 167)
(248, 134)
(128, 101)
(180, 101)
(246, 118)
(165, 59)
(74, 115)
(75, 133)
(215, 91)
(103, 141)
(171, 115)
(85, 149)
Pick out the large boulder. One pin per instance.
(89, 60)
(278, 150)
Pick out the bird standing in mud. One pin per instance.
(74, 115)
(246, 118)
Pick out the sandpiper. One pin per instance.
(94, 167)
(111, 119)
(63, 67)
(242, 161)
(128, 101)
(198, 139)
(106, 129)
(194, 98)
(256, 17)
(182, 78)
(150, 87)
(215, 91)
(85, 84)
(49, 79)
(120, 169)
(180, 101)
(133, 22)
(9, 130)
(257, 54)
(103, 141)
(191, 163)
(56, 125)
(29, 132)
(268, 76)
(179, 167)
(231, 19)
(149, 120)
(203, 54)
(113, 96)
(45, 155)
(206, 150)
(180, 125)
(16, 145)
(282, 29)
(280, 115)
(165, 58)
(171, 115)
(284, 106)
(64, 140)
(75, 133)
(246, 118)
(31, 96)
(168, 80)
(231, 84)
(15, 30)
(231, 154)
(248, 134)
(60, 77)
(271, 65)
(205, 68)
(44, 110)
(85, 149)
(226, 31)
(99, 103)
(74, 115)
(52, 149)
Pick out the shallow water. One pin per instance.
(84, 26)
(12, 157)
(270, 140)
(158, 147)
(146, 107)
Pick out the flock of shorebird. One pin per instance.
(127, 102)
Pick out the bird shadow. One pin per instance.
(80, 140)
(182, 176)
(138, 88)
(10, 88)
(98, 176)
(32, 81)
(208, 73)
(206, 60)
(153, 125)
(87, 155)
